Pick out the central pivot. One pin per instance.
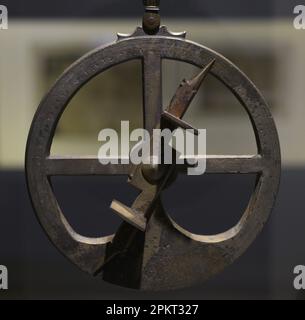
(153, 173)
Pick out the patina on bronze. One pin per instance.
(151, 251)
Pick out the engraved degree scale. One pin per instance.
(149, 250)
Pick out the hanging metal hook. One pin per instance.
(151, 17)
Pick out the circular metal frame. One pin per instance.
(180, 258)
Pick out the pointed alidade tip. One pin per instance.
(197, 81)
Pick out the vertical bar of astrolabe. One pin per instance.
(152, 89)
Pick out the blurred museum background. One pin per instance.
(44, 38)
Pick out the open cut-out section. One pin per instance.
(103, 103)
(211, 204)
(85, 202)
(215, 108)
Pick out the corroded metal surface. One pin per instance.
(159, 254)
